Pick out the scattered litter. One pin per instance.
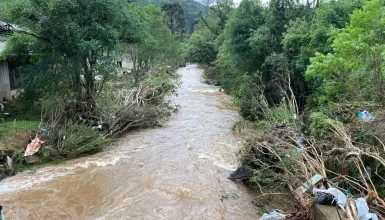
(1, 213)
(99, 78)
(99, 127)
(240, 174)
(366, 116)
(342, 200)
(281, 125)
(298, 149)
(273, 215)
(33, 147)
(324, 198)
(45, 131)
(9, 162)
(339, 196)
(314, 180)
(300, 140)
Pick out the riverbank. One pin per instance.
(62, 131)
(287, 161)
(175, 171)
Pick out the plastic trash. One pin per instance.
(298, 149)
(362, 207)
(363, 210)
(339, 196)
(369, 216)
(99, 78)
(365, 116)
(280, 125)
(273, 215)
(300, 140)
(341, 199)
(324, 198)
(33, 147)
(240, 174)
(44, 130)
(1, 213)
(314, 180)
(9, 162)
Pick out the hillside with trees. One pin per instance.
(191, 9)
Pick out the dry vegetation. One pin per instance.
(281, 162)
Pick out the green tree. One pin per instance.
(354, 69)
(176, 21)
(204, 43)
(159, 45)
(72, 38)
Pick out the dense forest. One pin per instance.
(305, 75)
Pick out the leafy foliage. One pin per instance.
(354, 69)
(73, 37)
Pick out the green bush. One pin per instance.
(74, 140)
(318, 124)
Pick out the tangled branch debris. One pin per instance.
(283, 159)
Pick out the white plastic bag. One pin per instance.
(274, 215)
(362, 206)
(363, 210)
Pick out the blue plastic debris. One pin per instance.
(298, 149)
(365, 115)
(45, 131)
(300, 140)
(1, 213)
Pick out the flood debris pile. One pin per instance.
(341, 168)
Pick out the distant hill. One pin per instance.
(190, 8)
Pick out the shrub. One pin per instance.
(73, 140)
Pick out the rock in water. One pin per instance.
(240, 174)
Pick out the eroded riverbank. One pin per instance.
(175, 172)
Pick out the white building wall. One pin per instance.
(5, 85)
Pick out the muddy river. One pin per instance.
(178, 171)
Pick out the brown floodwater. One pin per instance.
(178, 171)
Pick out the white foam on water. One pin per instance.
(204, 90)
(98, 163)
(218, 162)
(24, 180)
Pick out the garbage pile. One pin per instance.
(354, 208)
(333, 172)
